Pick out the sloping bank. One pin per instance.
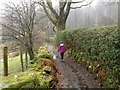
(97, 49)
(41, 74)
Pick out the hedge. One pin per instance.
(96, 49)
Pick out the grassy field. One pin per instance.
(14, 65)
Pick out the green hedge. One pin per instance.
(94, 45)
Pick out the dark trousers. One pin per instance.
(62, 55)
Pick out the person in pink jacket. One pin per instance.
(62, 50)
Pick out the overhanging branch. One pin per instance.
(67, 10)
(52, 10)
(62, 6)
(12, 30)
(47, 13)
(13, 37)
(81, 5)
(74, 2)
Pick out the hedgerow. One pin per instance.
(96, 49)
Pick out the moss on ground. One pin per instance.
(36, 76)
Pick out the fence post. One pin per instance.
(26, 59)
(21, 59)
(5, 57)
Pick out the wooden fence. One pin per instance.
(5, 60)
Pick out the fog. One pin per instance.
(94, 15)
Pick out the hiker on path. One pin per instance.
(62, 50)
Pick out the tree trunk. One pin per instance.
(61, 26)
(30, 52)
(30, 47)
(26, 59)
(21, 59)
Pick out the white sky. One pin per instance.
(4, 1)
(16, 1)
(2, 4)
(54, 1)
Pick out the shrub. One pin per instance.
(93, 45)
(47, 56)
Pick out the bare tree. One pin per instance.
(19, 22)
(59, 16)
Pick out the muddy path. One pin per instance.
(73, 75)
(67, 78)
(89, 79)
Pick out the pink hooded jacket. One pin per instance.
(61, 48)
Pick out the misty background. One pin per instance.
(95, 14)
(99, 14)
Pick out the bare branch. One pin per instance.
(15, 10)
(47, 13)
(52, 10)
(62, 6)
(74, 2)
(54, 29)
(42, 4)
(13, 37)
(81, 5)
(67, 10)
(12, 29)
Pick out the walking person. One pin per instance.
(62, 50)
